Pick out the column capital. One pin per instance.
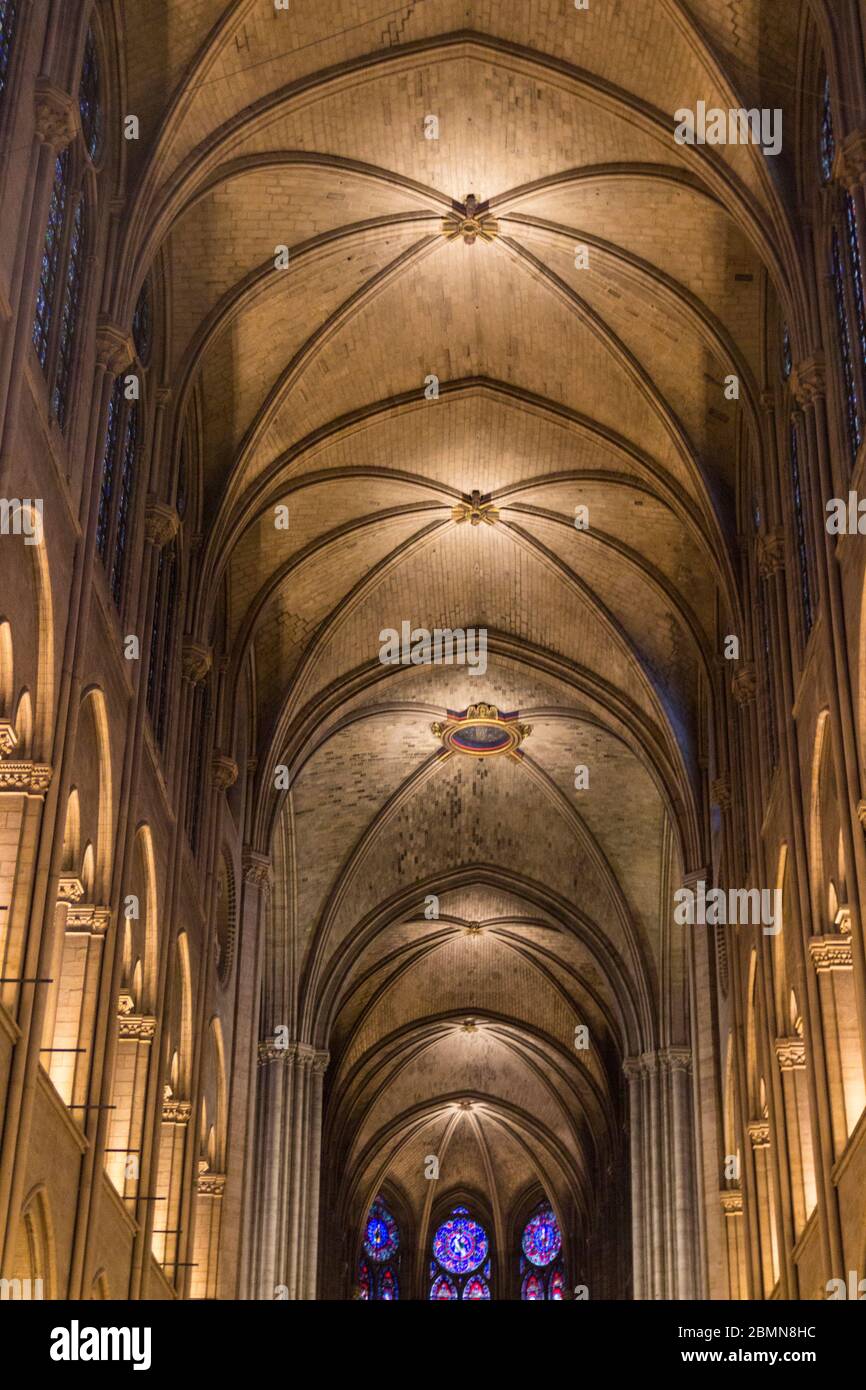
(732, 1201)
(256, 867)
(161, 522)
(744, 683)
(22, 775)
(809, 380)
(677, 1058)
(114, 346)
(225, 770)
(850, 165)
(196, 659)
(56, 117)
(759, 1133)
(770, 552)
(791, 1053)
(720, 792)
(831, 952)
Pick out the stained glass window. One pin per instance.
(379, 1264)
(541, 1268)
(787, 360)
(48, 274)
(800, 531)
(8, 16)
(856, 273)
(141, 324)
(124, 502)
(162, 641)
(827, 138)
(769, 703)
(201, 716)
(852, 402)
(88, 98)
(69, 319)
(460, 1267)
(119, 458)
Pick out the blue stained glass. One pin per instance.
(856, 272)
(47, 289)
(8, 16)
(442, 1288)
(88, 98)
(475, 1288)
(109, 460)
(124, 503)
(141, 324)
(852, 404)
(388, 1288)
(381, 1239)
(556, 1286)
(787, 360)
(542, 1239)
(828, 140)
(69, 321)
(364, 1284)
(532, 1289)
(460, 1244)
(800, 526)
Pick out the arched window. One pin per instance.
(826, 138)
(787, 361)
(803, 562)
(460, 1267)
(379, 1265)
(61, 274)
(119, 458)
(541, 1270)
(853, 424)
(8, 17)
(162, 641)
(195, 794)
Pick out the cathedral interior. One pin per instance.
(430, 562)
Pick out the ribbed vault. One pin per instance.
(559, 387)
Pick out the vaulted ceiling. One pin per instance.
(561, 385)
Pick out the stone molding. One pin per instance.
(770, 553)
(136, 1026)
(809, 380)
(732, 1201)
(759, 1133)
(295, 1054)
(176, 1112)
(115, 349)
(744, 683)
(256, 867)
(210, 1184)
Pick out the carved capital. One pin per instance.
(8, 737)
(225, 771)
(770, 553)
(70, 889)
(850, 164)
(161, 522)
(791, 1053)
(25, 776)
(831, 952)
(809, 380)
(56, 118)
(136, 1027)
(744, 683)
(256, 867)
(677, 1059)
(196, 660)
(114, 348)
(759, 1134)
(720, 793)
(732, 1201)
(176, 1112)
(211, 1184)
